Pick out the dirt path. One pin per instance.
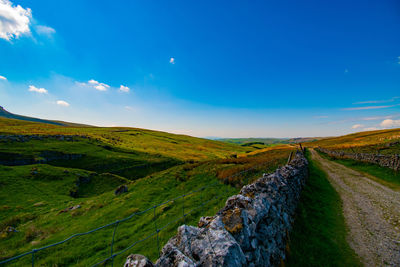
(371, 211)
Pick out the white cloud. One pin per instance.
(172, 60)
(14, 20)
(356, 126)
(377, 101)
(3, 78)
(95, 84)
(371, 129)
(124, 89)
(101, 87)
(45, 30)
(389, 123)
(33, 88)
(398, 60)
(369, 107)
(375, 118)
(62, 103)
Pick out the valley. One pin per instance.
(57, 181)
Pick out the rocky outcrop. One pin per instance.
(121, 189)
(389, 161)
(251, 230)
(138, 261)
(70, 208)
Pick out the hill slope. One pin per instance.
(56, 181)
(5, 114)
(182, 147)
(382, 141)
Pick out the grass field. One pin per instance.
(318, 237)
(181, 147)
(41, 179)
(155, 166)
(368, 142)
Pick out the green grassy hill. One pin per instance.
(46, 170)
(181, 147)
(5, 114)
(382, 141)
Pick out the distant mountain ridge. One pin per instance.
(5, 114)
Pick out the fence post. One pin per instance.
(157, 231)
(183, 209)
(33, 257)
(112, 243)
(290, 157)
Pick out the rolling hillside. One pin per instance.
(57, 181)
(182, 147)
(382, 141)
(5, 114)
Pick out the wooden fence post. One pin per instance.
(290, 157)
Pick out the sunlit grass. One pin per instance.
(34, 197)
(318, 237)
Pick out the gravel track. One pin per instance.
(371, 211)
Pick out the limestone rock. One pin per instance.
(136, 260)
(250, 230)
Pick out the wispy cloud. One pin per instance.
(371, 129)
(99, 86)
(377, 101)
(370, 107)
(3, 78)
(172, 60)
(14, 20)
(33, 88)
(124, 89)
(45, 30)
(62, 103)
(357, 126)
(375, 118)
(95, 84)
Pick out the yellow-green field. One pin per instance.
(368, 142)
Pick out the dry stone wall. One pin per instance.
(251, 230)
(389, 161)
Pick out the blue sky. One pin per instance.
(204, 68)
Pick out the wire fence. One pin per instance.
(157, 228)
